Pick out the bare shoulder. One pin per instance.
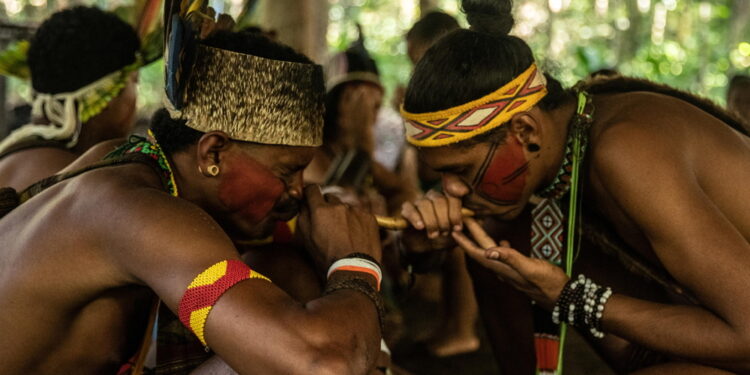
(94, 154)
(152, 236)
(23, 168)
(651, 129)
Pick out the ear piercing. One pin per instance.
(212, 170)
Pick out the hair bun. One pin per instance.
(492, 17)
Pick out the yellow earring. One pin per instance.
(213, 170)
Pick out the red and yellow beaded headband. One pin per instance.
(435, 129)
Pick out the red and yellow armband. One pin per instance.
(207, 288)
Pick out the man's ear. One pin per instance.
(209, 149)
(527, 128)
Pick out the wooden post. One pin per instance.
(301, 24)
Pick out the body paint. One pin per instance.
(249, 188)
(502, 177)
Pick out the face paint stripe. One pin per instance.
(502, 178)
(485, 164)
(518, 173)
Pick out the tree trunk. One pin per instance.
(740, 16)
(301, 24)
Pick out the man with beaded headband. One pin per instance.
(244, 118)
(563, 179)
(83, 66)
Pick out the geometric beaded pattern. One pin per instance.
(434, 129)
(94, 101)
(207, 288)
(547, 231)
(561, 184)
(138, 145)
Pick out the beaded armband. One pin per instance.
(207, 288)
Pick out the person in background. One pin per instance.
(83, 63)
(354, 96)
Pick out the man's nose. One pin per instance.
(454, 185)
(296, 186)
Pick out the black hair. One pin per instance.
(77, 46)
(433, 26)
(174, 135)
(466, 65)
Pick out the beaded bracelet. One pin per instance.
(363, 287)
(581, 304)
(358, 262)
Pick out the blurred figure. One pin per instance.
(738, 98)
(428, 30)
(347, 159)
(83, 63)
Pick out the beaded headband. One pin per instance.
(253, 99)
(67, 111)
(435, 129)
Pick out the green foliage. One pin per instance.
(696, 45)
(690, 44)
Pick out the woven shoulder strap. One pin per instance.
(40, 186)
(32, 143)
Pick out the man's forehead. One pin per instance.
(282, 154)
(451, 156)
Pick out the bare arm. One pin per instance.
(697, 244)
(255, 327)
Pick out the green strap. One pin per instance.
(578, 151)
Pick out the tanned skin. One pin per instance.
(277, 261)
(670, 178)
(23, 168)
(77, 258)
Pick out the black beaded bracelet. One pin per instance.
(363, 287)
(581, 304)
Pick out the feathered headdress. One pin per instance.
(251, 98)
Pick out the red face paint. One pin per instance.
(503, 175)
(249, 188)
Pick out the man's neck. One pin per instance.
(90, 135)
(562, 118)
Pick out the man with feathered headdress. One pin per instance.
(223, 160)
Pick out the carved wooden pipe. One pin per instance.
(397, 222)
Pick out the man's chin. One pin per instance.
(509, 212)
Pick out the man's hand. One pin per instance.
(538, 279)
(432, 219)
(332, 230)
